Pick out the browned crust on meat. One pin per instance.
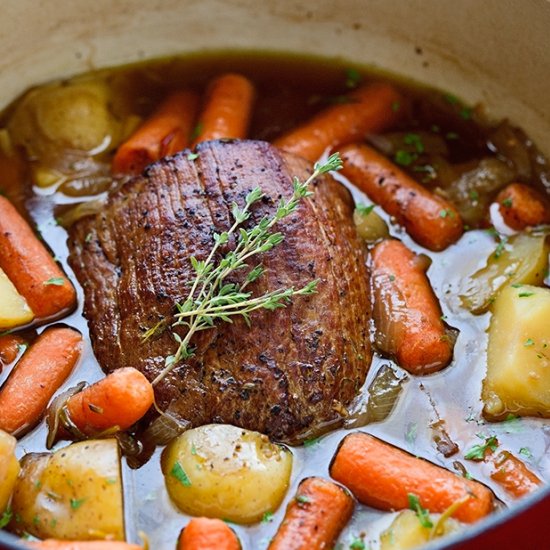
(294, 369)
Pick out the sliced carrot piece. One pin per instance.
(406, 311)
(9, 348)
(36, 377)
(118, 400)
(315, 517)
(227, 109)
(513, 475)
(382, 476)
(371, 108)
(522, 206)
(208, 534)
(30, 266)
(430, 220)
(164, 133)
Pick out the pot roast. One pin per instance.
(295, 369)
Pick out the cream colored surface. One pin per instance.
(518, 356)
(493, 51)
(226, 472)
(14, 310)
(72, 494)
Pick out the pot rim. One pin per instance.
(451, 542)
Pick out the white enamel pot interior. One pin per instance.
(496, 52)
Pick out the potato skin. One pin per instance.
(232, 473)
(9, 469)
(72, 494)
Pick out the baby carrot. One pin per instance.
(30, 267)
(227, 109)
(315, 517)
(208, 534)
(430, 220)
(120, 399)
(52, 544)
(36, 377)
(522, 206)
(382, 476)
(9, 348)
(164, 133)
(370, 109)
(406, 311)
(513, 476)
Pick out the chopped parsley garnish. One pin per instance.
(358, 544)
(416, 141)
(56, 281)
(192, 156)
(452, 99)
(267, 517)
(302, 499)
(5, 518)
(364, 209)
(507, 202)
(178, 472)
(451, 135)
(76, 503)
(353, 78)
(526, 452)
(197, 130)
(404, 158)
(410, 435)
(477, 452)
(529, 342)
(525, 294)
(395, 106)
(89, 237)
(474, 195)
(421, 513)
(311, 442)
(193, 449)
(446, 213)
(500, 247)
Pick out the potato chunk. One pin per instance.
(14, 310)
(9, 469)
(518, 355)
(406, 531)
(74, 493)
(74, 116)
(226, 472)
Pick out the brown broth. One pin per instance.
(290, 89)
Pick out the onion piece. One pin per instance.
(473, 191)
(88, 208)
(384, 391)
(57, 416)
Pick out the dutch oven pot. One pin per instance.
(496, 52)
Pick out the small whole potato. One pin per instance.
(226, 472)
(9, 469)
(74, 493)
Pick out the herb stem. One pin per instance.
(210, 298)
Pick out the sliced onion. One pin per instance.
(57, 416)
(163, 429)
(384, 391)
(83, 209)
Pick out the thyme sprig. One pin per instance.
(211, 297)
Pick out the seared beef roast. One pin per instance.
(295, 368)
